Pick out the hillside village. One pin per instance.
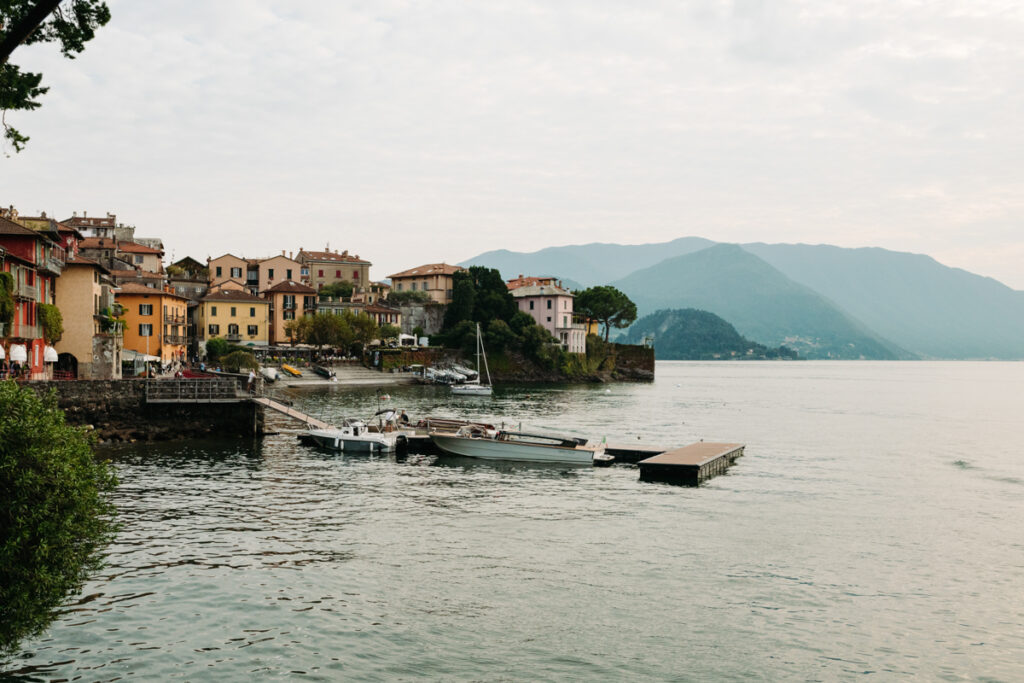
(91, 299)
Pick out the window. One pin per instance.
(218, 271)
(236, 272)
(138, 259)
(213, 310)
(531, 305)
(254, 330)
(233, 329)
(145, 309)
(565, 321)
(399, 286)
(413, 286)
(252, 312)
(305, 272)
(145, 330)
(165, 310)
(320, 273)
(287, 273)
(214, 330)
(289, 315)
(233, 309)
(549, 318)
(355, 274)
(425, 285)
(270, 273)
(337, 274)
(549, 306)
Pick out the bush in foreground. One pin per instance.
(55, 518)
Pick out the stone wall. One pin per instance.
(633, 362)
(428, 316)
(117, 411)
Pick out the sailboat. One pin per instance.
(474, 387)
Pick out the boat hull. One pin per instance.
(335, 440)
(494, 449)
(471, 390)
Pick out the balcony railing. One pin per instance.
(22, 331)
(174, 339)
(174, 319)
(26, 291)
(233, 337)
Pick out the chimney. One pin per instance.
(290, 255)
(84, 214)
(42, 214)
(282, 252)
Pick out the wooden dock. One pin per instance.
(633, 453)
(690, 465)
(291, 412)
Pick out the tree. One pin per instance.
(364, 327)
(607, 305)
(337, 290)
(237, 361)
(71, 23)
(55, 517)
(463, 299)
(52, 322)
(408, 297)
(329, 329)
(215, 348)
(389, 332)
(297, 329)
(500, 336)
(6, 301)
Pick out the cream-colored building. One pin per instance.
(90, 346)
(234, 315)
(141, 256)
(434, 278)
(328, 267)
(277, 269)
(227, 268)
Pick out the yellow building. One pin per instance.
(155, 321)
(90, 347)
(322, 268)
(234, 315)
(434, 278)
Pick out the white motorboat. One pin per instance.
(352, 436)
(503, 445)
(475, 387)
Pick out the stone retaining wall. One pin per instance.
(118, 411)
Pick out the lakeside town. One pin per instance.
(91, 299)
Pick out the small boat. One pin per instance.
(291, 371)
(504, 445)
(352, 436)
(323, 372)
(474, 387)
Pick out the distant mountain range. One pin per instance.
(690, 334)
(823, 301)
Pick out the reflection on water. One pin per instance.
(870, 527)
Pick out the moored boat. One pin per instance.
(352, 436)
(326, 373)
(506, 445)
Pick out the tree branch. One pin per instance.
(24, 28)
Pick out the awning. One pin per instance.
(49, 355)
(2, 354)
(18, 353)
(131, 354)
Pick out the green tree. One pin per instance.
(337, 290)
(408, 297)
(463, 300)
(52, 322)
(364, 328)
(6, 301)
(71, 23)
(329, 329)
(607, 305)
(500, 336)
(55, 517)
(417, 332)
(297, 329)
(215, 348)
(236, 361)
(520, 322)
(388, 332)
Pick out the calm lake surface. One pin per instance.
(874, 529)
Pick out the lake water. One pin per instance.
(874, 529)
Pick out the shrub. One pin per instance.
(54, 514)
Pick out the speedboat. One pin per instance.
(505, 445)
(352, 436)
(326, 373)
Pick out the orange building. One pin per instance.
(155, 321)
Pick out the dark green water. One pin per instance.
(874, 529)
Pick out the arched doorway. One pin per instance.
(67, 366)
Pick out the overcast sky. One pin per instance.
(414, 132)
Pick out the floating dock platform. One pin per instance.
(690, 465)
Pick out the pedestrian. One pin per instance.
(252, 380)
(403, 418)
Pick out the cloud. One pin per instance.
(412, 132)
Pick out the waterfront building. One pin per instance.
(521, 281)
(551, 307)
(34, 260)
(384, 315)
(276, 270)
(288, 300)
(155, 321)
(328, 267)
(235, 315)
(434, 278)
(103, 250)
(91, 345)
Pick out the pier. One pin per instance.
(690, 465)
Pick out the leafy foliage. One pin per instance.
(52, 322)
(71, 24)
(691, 334)
(607, 305)
(333, 329)
(237, 361)
(407, 297)
(480, 295)
(54, 514)
(6, 298)
(216, 347)
(389, 332)
(338, 290)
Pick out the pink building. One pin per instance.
(551, 307)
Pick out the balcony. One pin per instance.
(54, 261)
(175, 339)
(22, 331)
(175, 319)
(25, 291)
(233, 337)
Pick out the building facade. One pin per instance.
(328, 267)
(227, 268)
(551, 307)
(234, 315)
(91, 345)
(288, 300)
(434, 278)
(155, 322)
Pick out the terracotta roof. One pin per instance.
(82, 261)
(132, 288)
(142, 274)
(331, 256)
(429, 269)
(376, 308)
(232, 295)
(136, 248)
(521, 281)
(97, 243)
(291, 287)
(8, 227)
